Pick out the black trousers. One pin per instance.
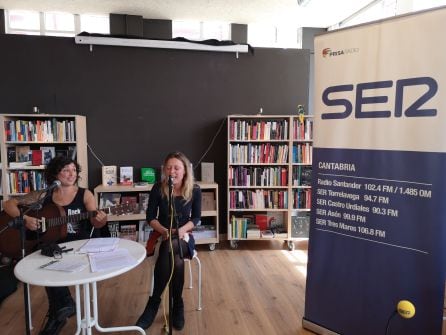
(57, 298)
(163, 269)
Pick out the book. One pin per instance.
(36, 157)
(109, 175)
(72, 152)
(132, 200)
(300, 225)
(48, 153)
(141, 184)
(126, 175)
(266, 233)
(11, 154)
(143, 202)
(207, 201)
(148, 175)
(128, 232)
(113, 228)
(61, 152)
(109, 199)
(207, 172)
(23, 153)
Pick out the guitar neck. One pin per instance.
(52, 222)
(117, 210)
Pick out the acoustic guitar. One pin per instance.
(53, 227)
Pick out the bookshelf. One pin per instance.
(269, 177)
(102, 192)
(207, 233)
(27, 140)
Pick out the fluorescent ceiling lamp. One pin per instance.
(162, 44)
(303, 3)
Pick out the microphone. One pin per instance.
(170, 181)
(405, 309)
(54, 185)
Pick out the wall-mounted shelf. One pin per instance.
(160, 44)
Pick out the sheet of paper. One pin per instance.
(65, 265)
(104, 261)
(100, 245)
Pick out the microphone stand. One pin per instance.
(19, 223)
(172, 215)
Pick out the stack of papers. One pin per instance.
(65, 265)
(104, 261)
(99, 245)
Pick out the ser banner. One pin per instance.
(377, 233)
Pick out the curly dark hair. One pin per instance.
(56, 165)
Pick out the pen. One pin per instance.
(47, 264)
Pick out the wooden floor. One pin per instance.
(256, 289)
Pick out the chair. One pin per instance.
(188, 261)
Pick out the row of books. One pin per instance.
(25, 155)
(301, 175)
(257, 176)
(258, 199)
(110, 175)
(139, 201)
(303, 130)
(242, 130)
(26, 181)
(258, 153)
(302, 198)
(48, 130)
(258, 226)
(139, 232)
(303, 153)
(204, 231)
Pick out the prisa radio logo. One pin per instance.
(327, 52)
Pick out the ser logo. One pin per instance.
(429, 85)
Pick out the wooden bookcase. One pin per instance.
(208, 231)
(61, 134)
(269, 177)
(209, 216)
(127, 190)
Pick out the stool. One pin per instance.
(188, 261)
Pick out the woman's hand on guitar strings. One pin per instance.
(31, 223)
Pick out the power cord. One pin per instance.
(196, 165)
(211, 144)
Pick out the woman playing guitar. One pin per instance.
(73, 200)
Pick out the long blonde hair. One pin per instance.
(187, 185)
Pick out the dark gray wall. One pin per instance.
(142, 103)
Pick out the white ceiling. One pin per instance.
(318, 13)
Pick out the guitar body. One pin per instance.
(54, 227)
(10, 244)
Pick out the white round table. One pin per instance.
(28, 271)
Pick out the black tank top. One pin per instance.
(76, 230)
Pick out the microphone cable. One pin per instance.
(166, 323)
(388, 321)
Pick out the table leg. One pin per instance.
(78, 311)
(109, 329)
(29, 310)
